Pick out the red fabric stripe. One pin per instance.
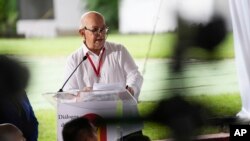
(97, 71)
(92, 117)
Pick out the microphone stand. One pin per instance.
(83, 59)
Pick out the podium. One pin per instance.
(96, 105)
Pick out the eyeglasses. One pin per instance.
(96, 31)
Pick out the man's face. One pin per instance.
(94, 31)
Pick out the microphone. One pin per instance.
(83, 59)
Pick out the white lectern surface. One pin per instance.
(95, 104)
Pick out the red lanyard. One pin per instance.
(97, 71)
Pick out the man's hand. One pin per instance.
(130, 89)
(87, 89)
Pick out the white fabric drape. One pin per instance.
(240, 14)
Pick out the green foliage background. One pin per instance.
(109, 9)
(8, 17)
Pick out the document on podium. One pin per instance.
(109, 86)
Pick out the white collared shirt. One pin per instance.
(118, 67)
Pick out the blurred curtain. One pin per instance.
(240, 15)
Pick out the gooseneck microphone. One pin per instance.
(83, 59)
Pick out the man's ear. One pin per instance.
(81, 32)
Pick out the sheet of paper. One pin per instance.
(110, 86)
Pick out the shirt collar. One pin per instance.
(86, 50)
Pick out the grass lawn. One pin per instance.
(136, 44)
(217, 103)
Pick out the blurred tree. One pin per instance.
(8, 17)
(109, 9)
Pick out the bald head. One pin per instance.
(8, 128)
(88, 18)
(9, 132)
(93, 30)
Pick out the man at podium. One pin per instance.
(100, 61)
